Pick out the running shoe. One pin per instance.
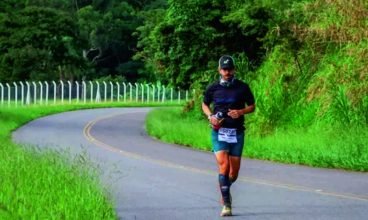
(226, 211)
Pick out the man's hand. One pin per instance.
(213, 120)
(234, 113)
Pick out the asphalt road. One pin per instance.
(152, 180)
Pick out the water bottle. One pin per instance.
(220, 117)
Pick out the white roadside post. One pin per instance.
(186, 95)
(130, 92)
(41, 91)
(91, 85)
(153, 91)
(70, 91)
(54, 84)
(136, 92)
(124, 88)
(142, 87)
(118, 96)
(148, 90)
(34, 92)
(178, 95)
(7, 85)
(62, 91)
(77, 84)
(158, 93)
(98, 95)
(112, 91)
(105, 90)
(28, 97)
(172, 94)
(47, 93)
(2, 93)
(16, 93)
(84, 92)
(163, 93)
(22, 92)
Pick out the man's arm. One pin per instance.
(236, 113)
(206, 110)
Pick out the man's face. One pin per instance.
(226, 74)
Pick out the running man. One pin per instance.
(231, 99)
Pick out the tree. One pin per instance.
(38, 43)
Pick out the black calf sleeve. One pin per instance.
(225, 188)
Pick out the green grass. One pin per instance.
(40, 184)
(171, 126)
(318, 146)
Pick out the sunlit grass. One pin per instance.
(319, 146)
(43, 184)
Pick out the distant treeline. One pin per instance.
(310, 53)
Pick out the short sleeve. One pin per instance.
(249, 97)
(208, 96)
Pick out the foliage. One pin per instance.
(313, 70)
(34, 41)
(188, 39)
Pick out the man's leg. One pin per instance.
(223, 162)
(235, 153)
(234, 163)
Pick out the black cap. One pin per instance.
(226, 62)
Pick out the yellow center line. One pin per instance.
(87, 134)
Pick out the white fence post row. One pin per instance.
(39, 92)
(54, 83)
(47, 93)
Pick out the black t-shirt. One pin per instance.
(235, 96)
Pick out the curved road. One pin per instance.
(152, 180)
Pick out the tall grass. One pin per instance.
(183, 130)
(320, 145)
(39, 184)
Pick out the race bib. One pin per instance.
(227, 135)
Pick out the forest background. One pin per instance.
(305, 60)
